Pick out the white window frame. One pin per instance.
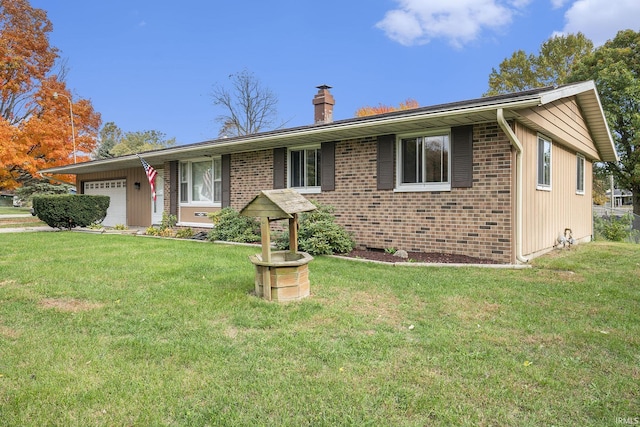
(540, 184)
(216, 167)
(422, 186)
(580, 160)
(306, 189)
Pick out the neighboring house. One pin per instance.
(620, 198)
(496, 178)
(7, 199)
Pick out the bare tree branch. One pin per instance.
(250, 107)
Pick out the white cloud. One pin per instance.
(600, 20)
(557, 4)
(458, 21)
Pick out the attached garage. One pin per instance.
(116, 189)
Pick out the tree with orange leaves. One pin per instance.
(35, 128)
(408, 104)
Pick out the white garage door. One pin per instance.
(116, 189)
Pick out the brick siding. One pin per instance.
(473, 221)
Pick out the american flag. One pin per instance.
(151, 175)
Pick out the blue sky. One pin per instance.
(151, 65)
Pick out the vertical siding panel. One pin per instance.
(138, 201)
(547, 213)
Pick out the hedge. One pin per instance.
(71, 210)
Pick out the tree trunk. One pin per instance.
(636, 207)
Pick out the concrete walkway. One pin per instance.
(27, 229)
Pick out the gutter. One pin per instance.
(515, 142)
(328, 131)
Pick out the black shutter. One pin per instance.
(226, 180)
(328, 166)
(462, 157)
(279, 161)
(173, 188)
(386, 145)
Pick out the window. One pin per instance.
(580, 174)
(201, 182)
(544, 163)
(304, 169)
(423, 163)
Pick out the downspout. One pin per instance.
(515, 142)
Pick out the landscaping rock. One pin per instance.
(401, 254)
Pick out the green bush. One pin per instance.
(41, 188)
(184, 233)
(230, 226)
(168, 221)
(166, 227)
(612, 228)
(319, 234)
(71, 210)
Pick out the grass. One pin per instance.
(124, 330)
(11, 210)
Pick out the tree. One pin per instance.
(26, 56)
(552, 66)
(408, 104)
(615, 68)
(41, 188)
(137, 142)
(110, 135)
(35, 128)
(249, 106)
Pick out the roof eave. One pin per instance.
(331, 130)
(467, 111)
(587, 94)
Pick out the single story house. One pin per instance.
(497, 178)
(620, 198)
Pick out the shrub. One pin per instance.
(319, 234)
(184, 233)
(42, 188)
(168, 221)
(71, 210)
(230, 226)
(612, 228)
(166, 232)
(166, 226)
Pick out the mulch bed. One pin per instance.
(418, 257)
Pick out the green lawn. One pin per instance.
(9, 210)
(122, 330)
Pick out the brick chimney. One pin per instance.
(323, 104)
